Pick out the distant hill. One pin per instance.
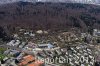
(54, 16)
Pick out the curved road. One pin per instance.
(18, 49)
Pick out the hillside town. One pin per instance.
(49, 32)
(47, 48)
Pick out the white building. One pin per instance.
(96, 32)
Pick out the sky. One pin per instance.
(82, 1)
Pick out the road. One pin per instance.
(18, 49)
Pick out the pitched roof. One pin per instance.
(26, 60)
(29, 58)
(32, 64)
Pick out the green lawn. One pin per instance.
(2, 56)
(2, 50)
